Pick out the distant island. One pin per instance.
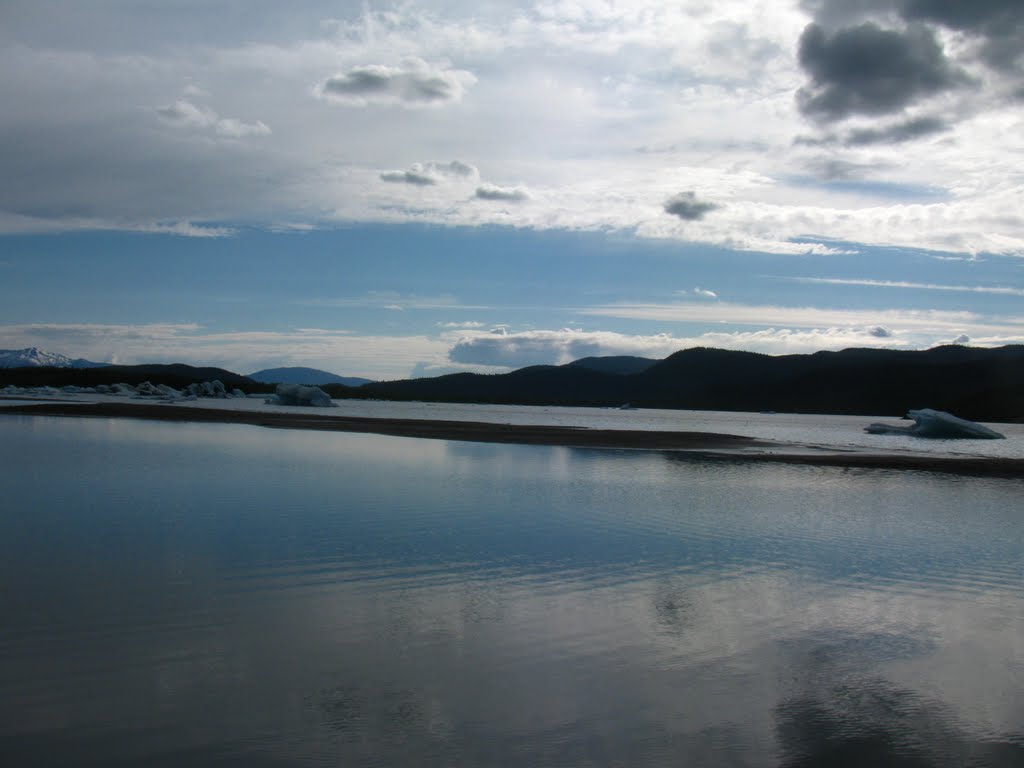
(973, 383)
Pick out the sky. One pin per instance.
(414, 188)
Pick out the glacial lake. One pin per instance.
(224, 595)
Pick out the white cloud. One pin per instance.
(923, 325)
(183, 112)
(999, 290)
(340, 351)
(703, 293)
(510, 350)
(391, 299)
(467, 324)
(541, 347)
(600, 112)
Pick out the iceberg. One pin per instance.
(937, 424)
(296, 394)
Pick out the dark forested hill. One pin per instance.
(981, 384)
(176, 375)
(615, 364)
(978, 384)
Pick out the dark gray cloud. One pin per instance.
(894, 133)
(687, 207)
(868, 70)
(996, 25)
(880, 332)
(415, 177)
(493, 192)
(907, 130)
(414, 83)
(429, 174)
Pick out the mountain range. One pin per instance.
(973, 383)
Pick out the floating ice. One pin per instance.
(937, 424)
(296, 394)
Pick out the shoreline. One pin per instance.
(704, 444)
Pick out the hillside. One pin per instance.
(309, 376)
(979, 384)
(177, 375)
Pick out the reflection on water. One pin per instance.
(224, 595)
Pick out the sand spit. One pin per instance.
(709, 444)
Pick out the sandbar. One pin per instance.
(706, 444)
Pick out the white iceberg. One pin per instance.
(296, 394)
(937, 424)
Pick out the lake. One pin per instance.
(203, 594)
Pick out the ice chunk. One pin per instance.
(937, 424)
(148, 389)
(296, 394)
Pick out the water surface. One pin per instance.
(230, 595)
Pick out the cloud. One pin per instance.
(544, 347)
(511, 350)
(999, 290)
(185, 113)
(393, 299)
(868, 70)
(20, 224)
(413, 176)
(493, 192)
(376, 357)
(430, 174)
(897, 133)
(687, 207)
(997, 26)
(413, 83)
(998, 23)
(703, 293)
(923, 324)
(584, 83)
(463, 324)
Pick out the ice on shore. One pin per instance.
(296, 394)
(937, 424)
(144, 391)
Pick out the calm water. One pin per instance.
(182, 594)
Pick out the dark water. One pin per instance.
(178, 594)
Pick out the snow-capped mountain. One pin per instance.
(33, 357)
